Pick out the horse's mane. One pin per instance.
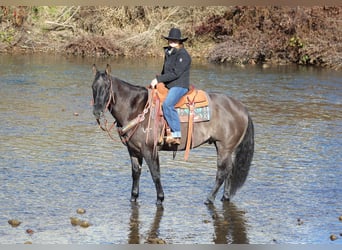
(134, 93)
(130, 85)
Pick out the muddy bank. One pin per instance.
(236, 34)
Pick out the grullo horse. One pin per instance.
(230, 129)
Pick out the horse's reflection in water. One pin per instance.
(152, 235)
(229, 224)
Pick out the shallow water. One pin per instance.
(54, 159)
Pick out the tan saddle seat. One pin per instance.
(193, 96)
(192, 100)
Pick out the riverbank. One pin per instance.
(236, 34)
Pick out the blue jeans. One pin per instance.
(170, 113)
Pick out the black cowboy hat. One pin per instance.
(175, 34)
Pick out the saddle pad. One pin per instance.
(201, 114)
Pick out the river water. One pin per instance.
(54, 159)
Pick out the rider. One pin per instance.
(176, 77)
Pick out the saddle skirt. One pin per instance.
(195, 100)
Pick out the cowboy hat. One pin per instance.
(175, 34)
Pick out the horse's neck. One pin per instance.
(129, 100)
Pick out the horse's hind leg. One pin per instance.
(136, 172)
(224, 168)
(226, 192)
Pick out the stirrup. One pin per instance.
(172, 140)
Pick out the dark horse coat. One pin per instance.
(230, 129)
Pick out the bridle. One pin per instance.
(130, 127)
(111, 97)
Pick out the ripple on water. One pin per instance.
(53, 162)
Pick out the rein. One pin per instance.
(131, 125)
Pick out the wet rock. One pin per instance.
(14, 222)
(84, 224)
(300, 222)
(155, 241)
(80, 211)
(333, 237)
(340, 218)
(75, 221)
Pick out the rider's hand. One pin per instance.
(154, 83)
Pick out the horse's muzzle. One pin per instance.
(97, 114)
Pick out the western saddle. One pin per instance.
(193, 99)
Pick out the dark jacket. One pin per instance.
(176, 68)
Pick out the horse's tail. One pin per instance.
(243, 159)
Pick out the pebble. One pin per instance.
(340, 218)
(300, 222)
(80, 211)
(75, 221)
(14, 223)
(333, 237)
(155, 241)
(29, 231)
(84, 224)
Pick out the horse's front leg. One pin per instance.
(136, 172)
(153, 164)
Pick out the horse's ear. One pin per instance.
(108, 69)
(94, 69)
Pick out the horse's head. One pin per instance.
(101, 91)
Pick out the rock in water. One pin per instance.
(80, 211)
(14, 223)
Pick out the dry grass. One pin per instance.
(237, 34)
(138, 30)
(299, 35)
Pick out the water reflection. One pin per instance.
(229, 224)
(134, 225)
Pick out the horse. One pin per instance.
(230, 129)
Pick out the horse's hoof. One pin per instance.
(159, 203)
(225, 199)
(208, 202)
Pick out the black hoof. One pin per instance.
(133, 198)
(225, 199)
(208, 202)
